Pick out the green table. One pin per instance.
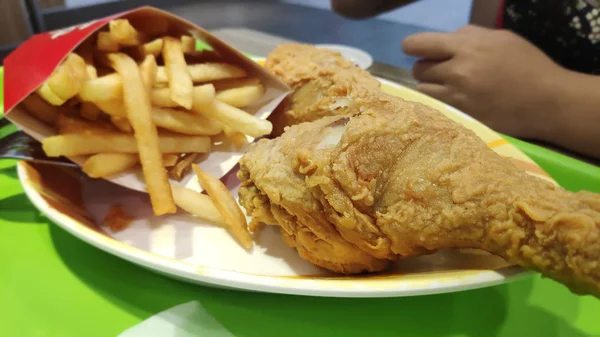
(52, 284)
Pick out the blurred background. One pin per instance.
(303, 20)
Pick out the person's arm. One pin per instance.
(361, 9)
(576, 122)
(510, 85)
(485, 12)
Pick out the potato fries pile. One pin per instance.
(135, 96)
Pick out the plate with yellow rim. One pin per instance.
(186, 248)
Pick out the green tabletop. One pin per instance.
(53, 284)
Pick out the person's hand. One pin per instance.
(495, 76)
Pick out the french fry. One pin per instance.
(183, 166)
(106, 43)
(184, 122)
(177, 73)
(139, 113)
(227, 206)
(153, 47)
(235, 118)
(107, 164)
(113, 108)
(188, 44)
(170, 119)
(202, 94)
(241, 97)
(196, 204)
(121, 123)
(91, 71)
(221, 85)
(123, 33)
(170, 160)
(237, 138)
(49, 96)
(148, 72)
(85, 144)
(110, 87)
(206, 72)
(65, 82)
(42, 110)
(105, 88)
(90, 111)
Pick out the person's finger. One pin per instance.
(445, 94)
(429, 71)
(471, 29)
(436, 91)
(434, 46)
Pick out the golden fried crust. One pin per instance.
(323, 84)
(428, 183)
(275, 194)
(399, 179)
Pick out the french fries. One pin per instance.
(237, 138)
(106, 43)
(169, 160)
(184, 123)
(139, 113)
(227, 206)
(65, 82)
(103, 165)
(197, 204)
(178, 74)
(107, 164)
(110, 87)
(86, 144)
(188, 44)
(183, 166)
(202, 94)
(153, 47)
(105, 88)
(206, 72)
(121, 123)
(133, 95)
(123, 33)
(235, 118)
(113, 108)
(148, 72)
(241, 97)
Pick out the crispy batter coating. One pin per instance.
(397, 179)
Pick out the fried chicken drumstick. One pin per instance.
(323, 84)
(391, 179)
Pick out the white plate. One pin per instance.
(182, 247)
